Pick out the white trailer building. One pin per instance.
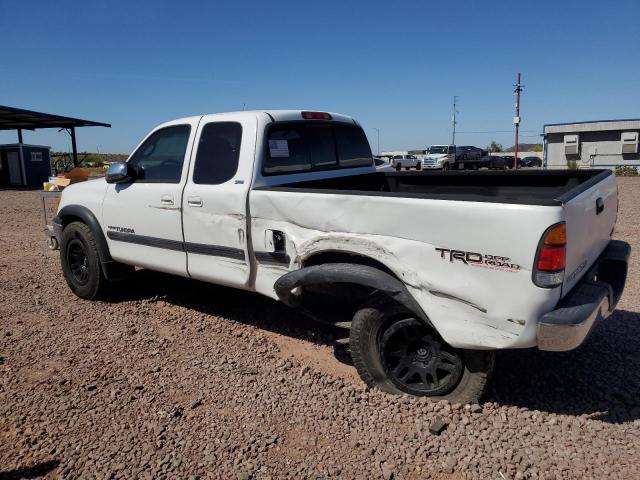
(594, 144)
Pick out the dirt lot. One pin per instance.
(177, 379)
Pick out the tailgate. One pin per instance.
(590, 212)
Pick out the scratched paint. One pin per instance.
(403, 235)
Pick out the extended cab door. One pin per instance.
(142, 219)
(215, 199)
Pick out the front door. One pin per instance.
(215, 200)
(142, 219)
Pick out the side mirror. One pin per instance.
(120, 172)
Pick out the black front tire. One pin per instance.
(80, 262)
(398, 167)
(424, 358)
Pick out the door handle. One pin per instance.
(599, 205)
(194, 201)
(166, 200)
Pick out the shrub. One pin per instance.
(622, 171)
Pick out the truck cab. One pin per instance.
(440, 157)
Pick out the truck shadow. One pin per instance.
(600, 379)
(34, 471)
(248, 308)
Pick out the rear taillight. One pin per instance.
(316, 116)
(551, 257)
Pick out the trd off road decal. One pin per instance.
(492, 262)
(121, 229)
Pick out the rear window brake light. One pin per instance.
(316, 116)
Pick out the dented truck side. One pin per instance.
(439, 268)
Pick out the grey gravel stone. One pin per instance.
(437, 426)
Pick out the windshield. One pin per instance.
(439, 149)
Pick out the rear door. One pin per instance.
(215, 199)
(590, 217)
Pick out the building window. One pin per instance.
(36, 156)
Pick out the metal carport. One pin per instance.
(12, 118)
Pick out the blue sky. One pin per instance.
(393, 65)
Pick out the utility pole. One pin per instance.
(453, 120)
(378, 131)
(516, 119)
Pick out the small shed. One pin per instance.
(30, 165)
(24, 165)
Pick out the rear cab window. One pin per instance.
(300, 146)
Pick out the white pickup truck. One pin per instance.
(432, 271)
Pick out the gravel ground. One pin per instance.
(178, 379)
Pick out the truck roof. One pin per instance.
(277, 115)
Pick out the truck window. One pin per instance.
(303, 146)
(353, 147)
(287, 151)
(218, 153)
(322, 147)
(159, 159)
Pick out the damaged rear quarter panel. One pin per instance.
(471, 306)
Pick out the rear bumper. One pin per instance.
(592, 299)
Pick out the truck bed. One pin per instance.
(547, 188)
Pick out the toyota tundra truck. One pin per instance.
(432, 272)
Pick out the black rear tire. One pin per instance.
(398, 353)
(80, 262)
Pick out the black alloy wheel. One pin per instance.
(417, 361)
(78, 261)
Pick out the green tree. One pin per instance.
(537, 148)
(494, 146)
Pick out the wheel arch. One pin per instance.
(73, 213)
(345, 256)
(78, 213)
(330, 270)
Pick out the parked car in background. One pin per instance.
(405, 161)
(492, 162)
(382, 164)
(531, 162)
(509, 161)
(468, 153)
